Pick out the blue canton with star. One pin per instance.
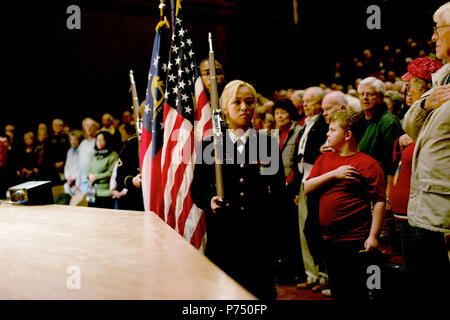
(154, 101)
(181, 72)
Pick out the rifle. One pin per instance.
(217, 132)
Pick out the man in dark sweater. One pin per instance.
(58, 147)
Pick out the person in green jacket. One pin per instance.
(101, 168)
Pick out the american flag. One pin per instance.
(170, 137)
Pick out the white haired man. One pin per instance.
(383, 128)
(313, 135)
(86, 151)
(297, 99)
(331, 103)
(427, 122)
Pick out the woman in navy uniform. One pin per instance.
(243, 229)
(128, 173)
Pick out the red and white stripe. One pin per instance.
(169, 196)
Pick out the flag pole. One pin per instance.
(162, 17)
(136, 111)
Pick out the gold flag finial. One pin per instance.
(162, 5)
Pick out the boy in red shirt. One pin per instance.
(349, 182)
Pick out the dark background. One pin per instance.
(51, 71)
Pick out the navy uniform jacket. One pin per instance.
(242, 238)
(128, 168)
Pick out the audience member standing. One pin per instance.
(332, 103)
(4, 141)
(312, 136)
(44, 169)
(349, 183)
(297, 100)
(86, 153)
(383, 129)
(72, 164)
(26, 158)
(101, 168)
(427, 122)
(419, 80)
(127, 119)
(285, 115)
(258, 118)
(13, 147)
(59, 144)
(10, 131)
(108, 125)
(42, 127)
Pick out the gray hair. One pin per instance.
(394, 95)
(377, 84)
(318, 92)
(443, 13)
(353, 103)
(298, 93)
(339, 96)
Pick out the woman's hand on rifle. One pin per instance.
(217, 203)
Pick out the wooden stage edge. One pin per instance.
(56, 252)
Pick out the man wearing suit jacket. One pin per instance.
(312, 136)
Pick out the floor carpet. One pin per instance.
(292, 293)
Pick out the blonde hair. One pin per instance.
(229, 92)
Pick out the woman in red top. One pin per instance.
(419, 81)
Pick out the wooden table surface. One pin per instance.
(117, 254)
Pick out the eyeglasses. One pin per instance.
(435, 28)
(406, 88)
(372, 94)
